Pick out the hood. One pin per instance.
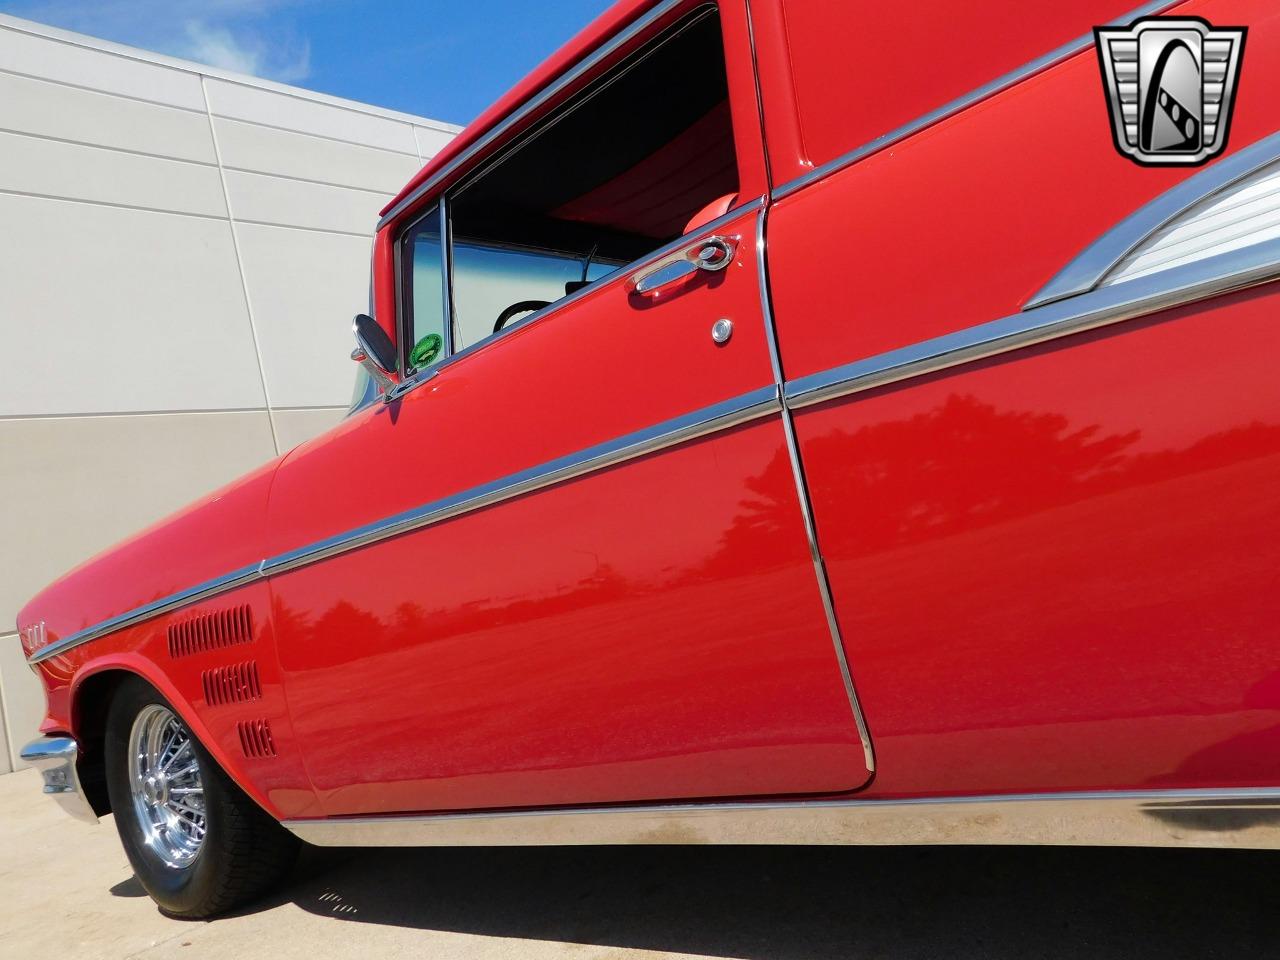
(220, 533)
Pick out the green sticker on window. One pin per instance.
(426, 350)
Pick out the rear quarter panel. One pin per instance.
(1055, 569)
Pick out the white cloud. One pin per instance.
(246, 52)
(238, 35)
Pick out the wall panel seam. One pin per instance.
(319, 136)
(423, 121)
(244, 282)
(362, 144)
(114, 204)
(319, 183)
(106, 146)
(298, 226)
(106, 93)
(168, 412)
(295, 93)
(10, 745)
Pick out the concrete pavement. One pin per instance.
(66, 891)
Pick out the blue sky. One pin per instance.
(443, 59)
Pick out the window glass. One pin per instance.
(427, 339)
(490, 281)
(365, 392)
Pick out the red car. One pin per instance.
(784, 422)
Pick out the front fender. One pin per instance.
(135, 664)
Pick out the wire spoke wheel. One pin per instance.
(166, 786)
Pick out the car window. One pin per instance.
(422, 266)
(588, 191)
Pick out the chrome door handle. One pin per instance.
(711, 255)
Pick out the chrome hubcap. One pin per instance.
(168, 792)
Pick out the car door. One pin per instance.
(568, 563)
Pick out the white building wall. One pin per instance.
(181, 253)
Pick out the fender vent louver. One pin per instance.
(255, 739)
(211, 631)
(234, 683)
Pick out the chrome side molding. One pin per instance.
(699, 423)
(201, 591)
(976, 95)
(1140, 296)
(802, 495)
(1240, 818)
(1091, 267)
(56, 759)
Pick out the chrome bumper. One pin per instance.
(55, 758)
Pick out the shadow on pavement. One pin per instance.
(817, 902)
(130, 888)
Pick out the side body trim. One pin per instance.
(1243, 818)
(806, 507)
(201, 591)
(960, 103)
(720, 416)
(1046, 317)
(1092, 265)
(1106, 305)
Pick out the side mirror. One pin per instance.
(374, 350)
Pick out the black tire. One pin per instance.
(244, 852)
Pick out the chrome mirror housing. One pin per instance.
(374, 350)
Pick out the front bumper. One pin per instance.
(56, 758)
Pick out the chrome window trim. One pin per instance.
(976, 95)
(1245, 818)
(1095, 262)
(446, 280)
(806, 506)
(402, 320)
(404, 314)
(1106, 305)
(724, 415)
(533, 104)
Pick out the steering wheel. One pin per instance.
(524, 306)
